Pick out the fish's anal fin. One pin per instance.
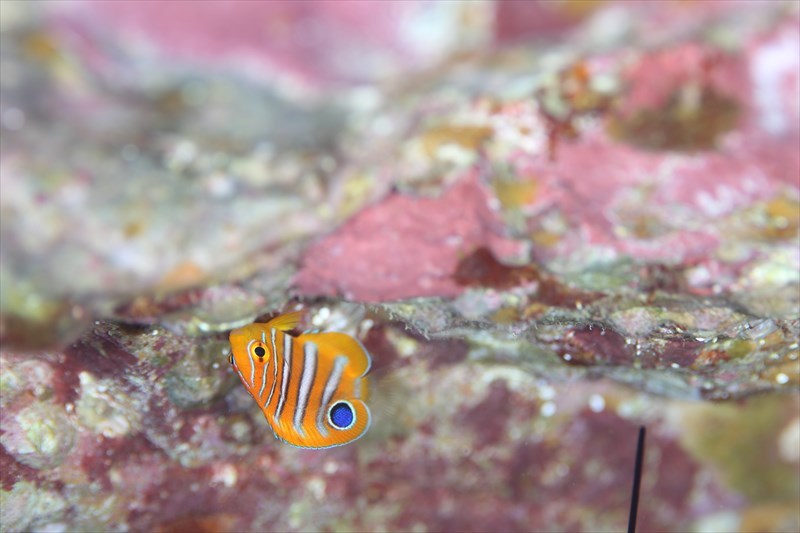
(334, 343)
(286, 321)
(362, 420)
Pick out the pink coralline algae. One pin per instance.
(661, 76)
(296, 42)
(451, 226)
(550, 223)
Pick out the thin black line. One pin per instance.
(637, 482)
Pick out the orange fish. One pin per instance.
(311, 388)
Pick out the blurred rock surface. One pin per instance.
(550, 223)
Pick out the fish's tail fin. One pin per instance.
(388, 400)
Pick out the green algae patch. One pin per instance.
(742, 442)
(30, 321)
(25, 507)
(692, 120)
(105, 409)
(39, 436)
(197, 378)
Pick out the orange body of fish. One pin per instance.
(311, 388)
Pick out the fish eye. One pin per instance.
(259, 351)
(341, 415)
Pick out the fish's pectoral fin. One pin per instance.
(286, 321)
(333, 344)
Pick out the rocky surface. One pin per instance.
(550, 223)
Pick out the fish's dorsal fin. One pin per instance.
(286, 321)
(334, 343)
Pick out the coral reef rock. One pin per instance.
(551, 223)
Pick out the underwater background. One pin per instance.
(550, 223)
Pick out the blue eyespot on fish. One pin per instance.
(311, 388)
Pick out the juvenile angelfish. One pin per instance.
(311, 388)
